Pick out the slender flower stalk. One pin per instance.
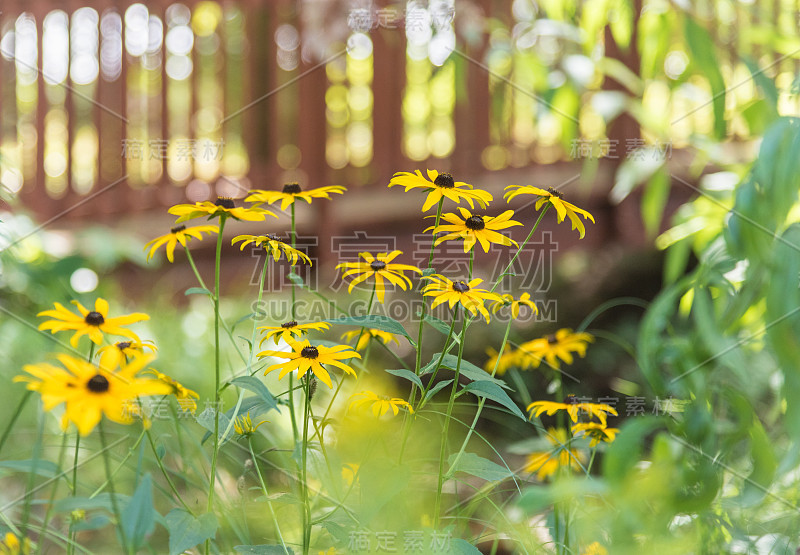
(114, 505)
(266, 495)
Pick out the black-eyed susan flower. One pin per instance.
(509, 359)
(243, 425)
(555, 347)
(292, 192)
(380, 404)
(179, 234)
(304, 357)
(556, 198)
(573, 408)
(475, 229)
(381, 268)
(90, 391)
(288, 331)
(223, 205)
(274, 245)
(93, 323)
(546, 463)
(380, 335)
(596, 431)
(441, 185)
(113, 356)
(458, 292)
(515, 304)
(187, 399)
(11, 545)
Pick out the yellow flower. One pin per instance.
(573, 407)
(475, 228)
(12, 546)
(180, 234)
(454, 292)
(509, 359)
(243, 425)
(553, 347)
(89, 391)
(92, 323)
(291, 192)
(223, 205)
(380, 403)
(112, 356)
(595, 549)
(508, 300)
(384, 336)
(187, 399)
(598, 432)
(440, 185)
(556, 198)
(547, 463)
(273, 245)
(289, 330)
(304, 357)
(380, 267)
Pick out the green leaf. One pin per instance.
(296, 279)
(263, 549)
(470, 463)
(462, 547)
(440, 326)
(428, 272)
(251, 383)
(94, 522)
(376, 321)
(198, 291)
(408, 375)
(138, 516)
(435, 389)
(48, 469)
(467, 369)
(490, 390)
(702, 50)
(625, 452)
(654, 199)
(186, 531)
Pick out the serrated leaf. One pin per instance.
(198, 291)
(408, 375)
(138, 516)
(491, 390)
(186, 531)
(470, 463)
(376, 321)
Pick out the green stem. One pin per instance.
(266, 495)
(112, 494)
(304, 475)
(522, 246)
(295, 433)
(61, 453)
(443, 450)
(160, 464)
(14, 417)
(212, 477)
(480, 403)
(70, 545)
(37, 447)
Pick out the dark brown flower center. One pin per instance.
(122, 345)
(555, 193)
(571, 400)
(551, 339)
(225, 202)
(475, 223)
(94, 318)
(460, 286)
(273, 237)
(377, 265)
(98, 384)
(445, 181)
(177, 229)
(292, 188)
(288, 325)
(309, 352)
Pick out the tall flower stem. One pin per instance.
(215, 453)
(10, 426)
(522, 246)
(61, 453)
(450, 403)
(304, 474)
(71, 544)
(480, 403)
(266, 495)
(295, 433)
(111, 492)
